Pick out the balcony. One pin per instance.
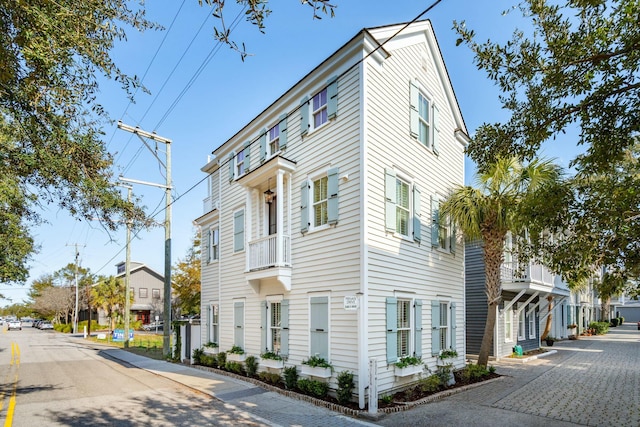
(531, 276)
(209, 204)
(263, 253)
(269, 259)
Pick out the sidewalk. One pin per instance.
(269, 408)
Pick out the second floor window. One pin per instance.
(214, 244)
(424, 129)
(402, 207)
(155, 293)
(240, 166)
(143, 293)
(319, 189)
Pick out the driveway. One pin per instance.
(593, 381)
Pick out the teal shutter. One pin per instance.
(283, 131)
(247, 156)
(332, 97)
(304, 116)
(453, 325)
(332, 196)
(319, 325)
(414, 100)
(392, 329)
(207, 244)
(418, 328)
(417, 223)
(435, 221)
(436, 130)
(238, 321)
(232, 159)
(435, 328)
(304, 207)
(238, 231)
(284, 337)
(263, 145)
(264, 306)
(390, 199)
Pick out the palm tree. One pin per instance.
(491, 210)
(108, 294)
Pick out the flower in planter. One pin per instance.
(317, 362)
(236, 350)
(211, 345)
(271, 356)
(408, 361)
(448, 354)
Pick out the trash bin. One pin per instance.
(517, 350)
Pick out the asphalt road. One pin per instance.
(50, 380)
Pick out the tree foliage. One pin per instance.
(186, 281)
(109, 295)
(575, 67)
(490, 210)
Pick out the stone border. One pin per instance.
(358, 413)
(528, 359)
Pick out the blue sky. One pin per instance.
(227, 93)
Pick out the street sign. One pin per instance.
(351, 303)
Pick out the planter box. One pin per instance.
(210, 350)
(409, 370)
(316, 372)
(270, 363)
(233, 357)
(452, 379)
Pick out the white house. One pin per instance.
(321, 233)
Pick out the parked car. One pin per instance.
(14, 324)
(45, 325)
(153, 326)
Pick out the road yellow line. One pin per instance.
(8, 422)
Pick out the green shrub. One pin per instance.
(386, 399)
(271, 356)
(601, 328)
(222, 359)
(290, 377)
(313, 387)
(430, 384)
(614, 322)
(211, 344)
(67, 329)
(270, 377)
(473, 372)
(251, 366)
(235, 367)
(408, 361)
(236, 350)
(197, 356)
(492, 369)
(345, 387)
(209, 360)
(621, 321)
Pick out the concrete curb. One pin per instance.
(527, 359)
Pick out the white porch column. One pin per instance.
(248, 221)
(279, 217)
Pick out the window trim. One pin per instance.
(532, 321)
(214, 323)
(412, 187)
(508, 319)
(146, 293)
(328, 331)
(321, 108)
(213, 253)
(273, 299)
(270, 153)
(155, 291)
(410, 329)
(522, 322)
(428, 122)
(331, 201)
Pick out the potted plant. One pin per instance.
(316, 366)
(270, 359)
(407, 366)
(236, 354)
(210, 348)
(549, 340)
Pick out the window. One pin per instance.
(143, 293)
(319, 201)
(402, 212)
(275, 327)
(322, 107)
(423, 115)
(444, 325)
(155, 293)
(402, 207)
(214, 332)
(319, 108)
(404, 328)
(240, 164)
(274, 140)
(424, 106)
(443, 233)
(319, 188)
(522, 323)
(508, 325)
(532, 321)
(238, 231)
(214, 244)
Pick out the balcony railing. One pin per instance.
(209, 204)
(263, 252)
(512, 272)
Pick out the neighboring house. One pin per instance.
(147, 288)
(524, 307)
(321, 233)
(623, 306)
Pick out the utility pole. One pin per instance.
(166, 341)
(127, 276)
(75, 275)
